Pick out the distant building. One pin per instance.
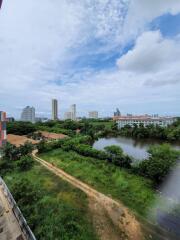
(93, 114)
(117, 113)
(144, 120)
(54, 109)
(73, 112)
(28, 114)
(71, 115)
(10, 119)
(2, 129)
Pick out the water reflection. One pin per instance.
(135, 148)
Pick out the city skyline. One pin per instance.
(100, 56)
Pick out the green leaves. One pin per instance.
(161, 160)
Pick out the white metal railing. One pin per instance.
(17, 212)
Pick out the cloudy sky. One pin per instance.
(99, 54)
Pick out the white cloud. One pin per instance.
(142, 12)
(151, 53)
(39, 40)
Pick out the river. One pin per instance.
(134, 148)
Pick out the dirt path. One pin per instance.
(125, 224)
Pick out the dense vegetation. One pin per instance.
(171, 133)
(87, 127)
(20, 128)
(162, 159)
(52, 208)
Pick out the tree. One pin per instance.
(25, 163)
(25, 149)
(161, 160)
(21, 128)
(114, 126)
(117, 156)
(11, 152)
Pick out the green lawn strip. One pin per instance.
(61, 212)
(108, 124)
(134, 191)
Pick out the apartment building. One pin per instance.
(54, 109)
(28, 114)
(143, 120)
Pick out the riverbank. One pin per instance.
(137, 149)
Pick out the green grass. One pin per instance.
(134, 191)
(61, 212)
(107, 124)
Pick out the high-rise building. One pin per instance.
(117, 113)
(73, 112)
(2, 129)
(28, 114)
(54, 109)
(93, 114)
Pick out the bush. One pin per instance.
(162, 159)
(25, 163)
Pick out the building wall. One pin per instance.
(73, 112)
(28, 114)
(54, 109)
(3, 136)
(93, 114)
(163, 122)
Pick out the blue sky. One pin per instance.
(99, 54)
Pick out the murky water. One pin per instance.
(135, 148)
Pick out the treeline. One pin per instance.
(170, 133)
(71, 128)
(20, 128)
(162, 158)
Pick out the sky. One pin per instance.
(99, 54)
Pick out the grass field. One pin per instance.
(135, 192)
(61, 212)
(107, 124)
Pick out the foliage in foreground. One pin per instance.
(52, 208)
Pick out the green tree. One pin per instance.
(26, 149)
(117, 156)
(20, 128)
(11, 152)
(25, 163)
(162, 158)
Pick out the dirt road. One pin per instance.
(106, 211)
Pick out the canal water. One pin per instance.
(134, 148)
